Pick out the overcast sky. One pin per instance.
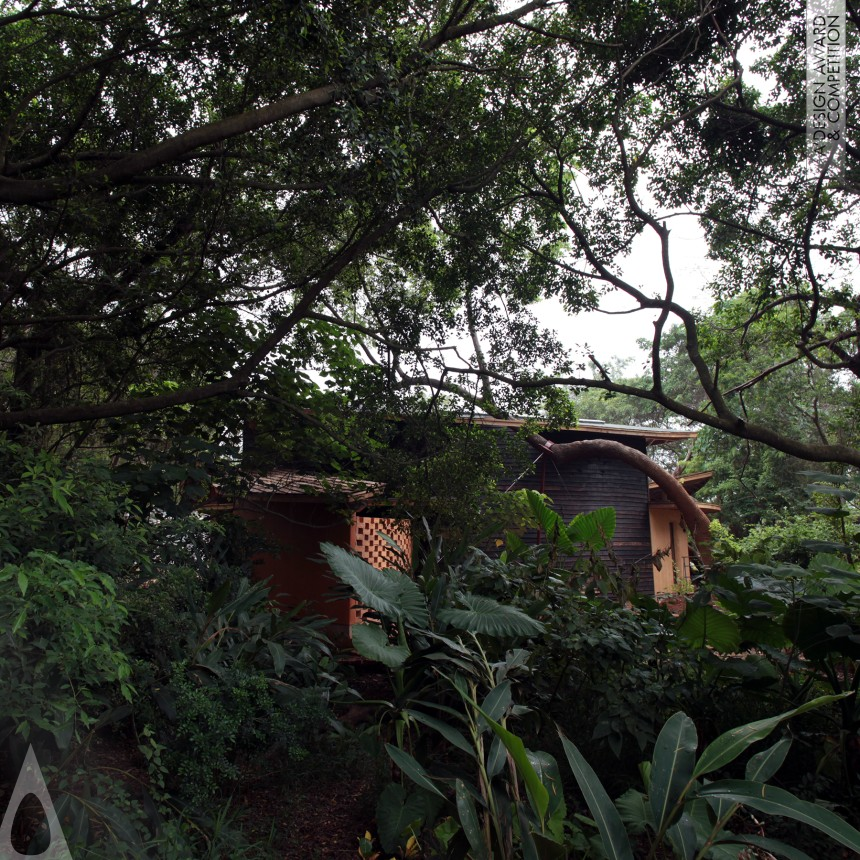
(614, 336)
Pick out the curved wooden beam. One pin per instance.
(586, 449)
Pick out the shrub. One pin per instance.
(614, 670)
(236, 713)
(61, 663)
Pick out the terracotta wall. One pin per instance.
(294, 530)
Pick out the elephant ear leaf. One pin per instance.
(594, 529)
(388, 592)
(483, 615)
(704, 626)
(371, 642)
(549, 521)
(398, 814)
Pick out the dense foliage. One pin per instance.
(319, 224)
(188, 224)
(146, 626)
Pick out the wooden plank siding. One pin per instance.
(588, 484)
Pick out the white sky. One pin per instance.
(615, 336)
(611, 337)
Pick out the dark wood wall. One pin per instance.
(589, 484)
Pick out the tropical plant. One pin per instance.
(610, 674)
(508, 801)
(61, 662)
(410, 621)
(682, 811)
(804, 618)
(434, 643)
(252, 679)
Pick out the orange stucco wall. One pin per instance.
(668, 533)
(294, 530)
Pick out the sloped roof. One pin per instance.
(692, 483)
(589, 425)
(299, 485)
(657, 498)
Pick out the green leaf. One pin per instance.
(606, 817)
(218, 598)
(548, 848)
(486, 616)
(469, 820)
(706, 626)
(762, 766)
(23, 581)
(672, 766)
(538, 795)
(497, 701)
(830, 490)
(776, 801)
(595, 529)
(682, 835)
(448, 732)
(772, 846)
(809, 626)
(549, 522)
(412, 769)
(22, 617)
(388, 592)
(546, 767)
(728, 746)
(370, 641)
(635, 811)
(396, 812)
(496, 758)
(279, 656)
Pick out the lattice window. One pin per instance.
(368, 543)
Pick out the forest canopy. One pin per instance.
(199, 203)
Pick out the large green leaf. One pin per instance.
(483, 615)
(496, 758)
(370, 641)
(606, 817)
(771, 846)
(448, 732)
(707, 626)
(595, 528)
(777, 801)
(412, 769)
(729, 745)
(546, 767)
(762, 766)
(672, 766)
(635, 811)
(549, 522)
(538, 794)
(396, 811)
(682, 836)
(818, 630)
(469, 821)
(497, 701)
(388, 592)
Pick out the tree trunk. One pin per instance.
(566, 452)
